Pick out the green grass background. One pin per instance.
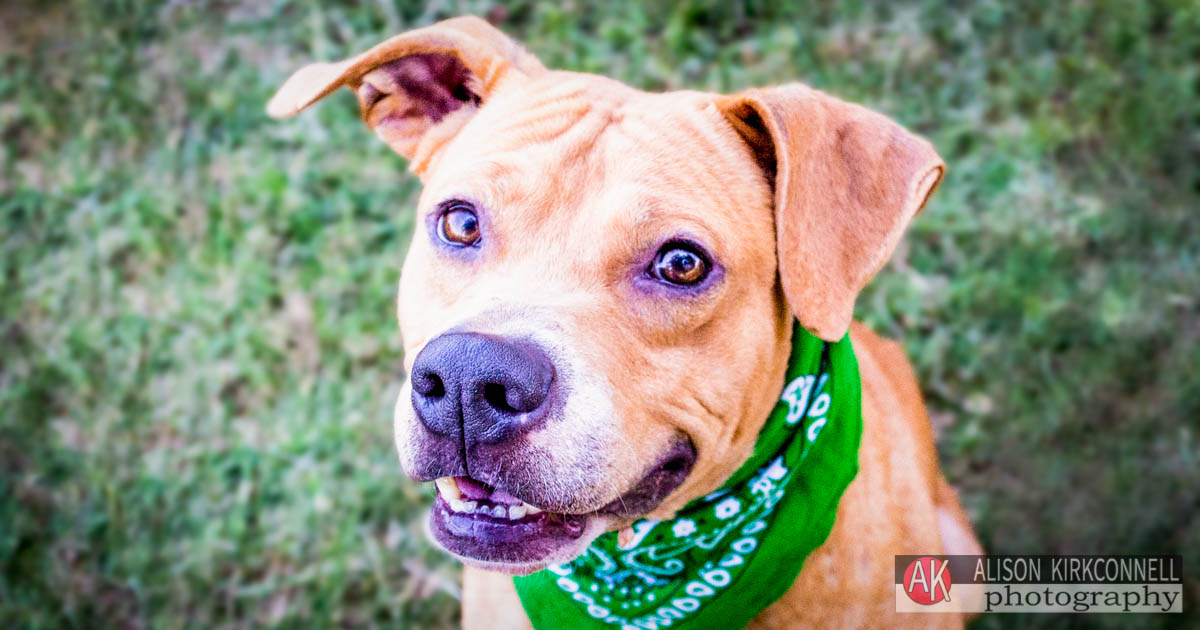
(197, 346)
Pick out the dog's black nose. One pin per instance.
(491, 389)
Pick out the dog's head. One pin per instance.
(597, 302)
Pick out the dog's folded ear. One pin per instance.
(847, 182)
(414, 82)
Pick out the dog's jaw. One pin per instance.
(569, 551)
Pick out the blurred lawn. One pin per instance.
(197, 347)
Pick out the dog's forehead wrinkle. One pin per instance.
(686, 151)
(681, 166)
(535, 184)
(542, 113)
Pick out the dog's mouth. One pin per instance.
(490, 527)
(464, 495)
(479, 522)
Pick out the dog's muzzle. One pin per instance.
(479, 400)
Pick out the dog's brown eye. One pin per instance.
(679, 264)
(459, 226)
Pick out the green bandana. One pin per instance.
(726, 556)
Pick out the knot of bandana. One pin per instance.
(726, 556)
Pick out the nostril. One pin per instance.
(429, 385)
(496, 395)
(676, 464)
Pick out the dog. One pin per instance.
(598, 305)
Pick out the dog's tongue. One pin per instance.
(474, 490)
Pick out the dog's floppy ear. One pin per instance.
(411, 83)
(847, 181)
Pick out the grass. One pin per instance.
(197, 346)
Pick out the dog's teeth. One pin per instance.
(448, 488)
(458, 505)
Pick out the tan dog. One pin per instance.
(599, 297)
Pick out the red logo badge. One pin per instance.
(927, 580)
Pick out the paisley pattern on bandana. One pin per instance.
(726, 556)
